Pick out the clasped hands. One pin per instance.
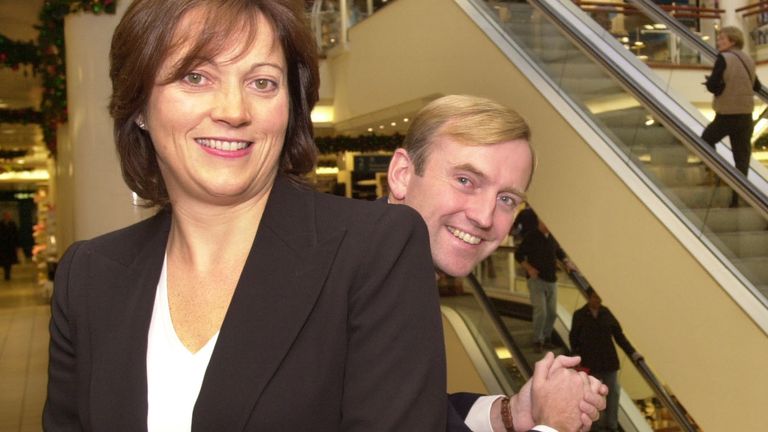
(558, 396)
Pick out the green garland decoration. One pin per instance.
(362, 143)
(47, 58)
(52, 68)
(12, 154)
(13, 54)
(23, 116)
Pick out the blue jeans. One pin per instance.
(544, 302)
(609, 419)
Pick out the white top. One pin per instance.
(174, 375)
(479, 416)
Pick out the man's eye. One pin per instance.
(508, 201)
(463, 180)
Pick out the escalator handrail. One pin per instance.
(654, 11)
(506, 338)
(656, 99)
(643, 368)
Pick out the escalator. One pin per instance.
(489, 348)
(635, 197)
(656, 134)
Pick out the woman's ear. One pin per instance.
(399, 175)
(140, 122)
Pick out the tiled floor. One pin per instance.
(24, 315)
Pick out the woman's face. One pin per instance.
(723, 42)
(218, 132)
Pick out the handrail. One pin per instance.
(654, 11)
(645, 371)
(760, 5)
(683, 11)
(506, 338)
(650, 95)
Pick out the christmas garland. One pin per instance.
(23, 116)
(47, 58)
(13, 54)
(362, 143)
(53, 69)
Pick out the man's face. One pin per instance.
(469, 197)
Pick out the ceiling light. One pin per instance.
(381, 126)
(370, 129)
(393, 124)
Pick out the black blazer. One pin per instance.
(334, 325)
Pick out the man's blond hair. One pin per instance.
(470, 120)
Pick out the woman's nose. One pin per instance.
(231, 107)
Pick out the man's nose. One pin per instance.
(480, 211)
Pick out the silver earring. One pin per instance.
(140, 124)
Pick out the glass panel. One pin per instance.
(459, 295)
(754, 18)
(650, 40)
(732, 227)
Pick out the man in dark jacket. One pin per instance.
(538, 254)
(464, 166)
(593, 331)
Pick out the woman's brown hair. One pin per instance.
(143, 41)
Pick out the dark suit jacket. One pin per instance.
(334, 325)
(458, 408)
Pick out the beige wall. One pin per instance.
(692, 333)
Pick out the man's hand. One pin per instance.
(594, 391)
(558, 395)
(592, 402)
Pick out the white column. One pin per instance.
(62, 194)
(731, 17)
(102, 201)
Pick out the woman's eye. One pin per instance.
(264, 84)
(194, 78)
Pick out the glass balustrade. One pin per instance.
(733, 229)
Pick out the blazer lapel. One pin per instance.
(281, 281)
(122, 309)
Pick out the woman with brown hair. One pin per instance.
(249, 302)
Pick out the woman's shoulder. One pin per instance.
(126, 241)
(361, 211)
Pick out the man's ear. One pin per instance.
(399, 174)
